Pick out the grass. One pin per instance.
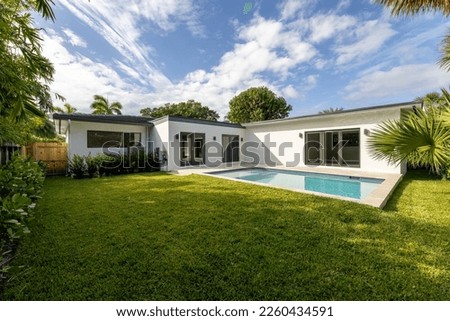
(163, 237)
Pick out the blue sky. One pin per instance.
(316, 54)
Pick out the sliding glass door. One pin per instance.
(230, 145)
(192, 149)
(333, 148)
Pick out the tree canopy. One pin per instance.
(24, 72)
(411, 7)
(101, 105)
(190, 109)
(256, 104)
(67, 109)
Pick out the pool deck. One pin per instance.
(378, 198)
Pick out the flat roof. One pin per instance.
(195, 121)
(111, 119)
(345, 111)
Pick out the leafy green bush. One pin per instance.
(21, 181)
(92, 164)
(137, 161)
(112, 164)
(77, 166)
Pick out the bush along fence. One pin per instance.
(21, 181)
(81, 166)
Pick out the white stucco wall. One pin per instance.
(270, 136)
(77, 135)
(271, 143)
(213, 147)
(159, 139)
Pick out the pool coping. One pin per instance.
(377, 198)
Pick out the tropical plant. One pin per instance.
(256, 104)
(411, 7)
(189, 109)
(21, 181)
(24, 132)
(77, 166)
(101, 105)
(67, 109)
(422, 138)
(92, 164)
(331, 110)
(24, 72)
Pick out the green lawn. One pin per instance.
(164, 237)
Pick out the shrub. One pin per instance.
(21, 181)
(110, 164)
(92, 164)
(77, 166)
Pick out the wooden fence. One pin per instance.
(54, 155)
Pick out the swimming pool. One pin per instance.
(346, 186)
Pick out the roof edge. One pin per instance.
(346, 111)
(195, 121)
(112, 119)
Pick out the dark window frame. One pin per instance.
(102, 141)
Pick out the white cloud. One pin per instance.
(343, 4)
(398, 81)
(265, 46)
(290, 8)
(74, 39)
(290, 92)
(120, 24)
(78, 78)
(326, 26)
(370, 36)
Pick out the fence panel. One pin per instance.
(54, 155)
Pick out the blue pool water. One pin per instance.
(347, 186)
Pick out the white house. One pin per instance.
(337, 140)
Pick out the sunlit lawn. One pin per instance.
(165, 237)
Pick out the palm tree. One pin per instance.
(101, 106)
(410, 7)
(422, 138)
(68, 109)
(331, 110)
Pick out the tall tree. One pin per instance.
(190, 109)
(331, 110)
(101, 106)
(24, 72)
(256, 104)
(422, 138)
(411, 7)
(67, 109)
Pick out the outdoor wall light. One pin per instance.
(300, 135)
(242, 139)
(177, 136)
(366, 132)
(214, 137)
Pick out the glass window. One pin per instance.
(131, 139)
(103, 139)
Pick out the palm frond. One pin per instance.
(411, 7)
(444, 61)
(44, 7)
(423, 139)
